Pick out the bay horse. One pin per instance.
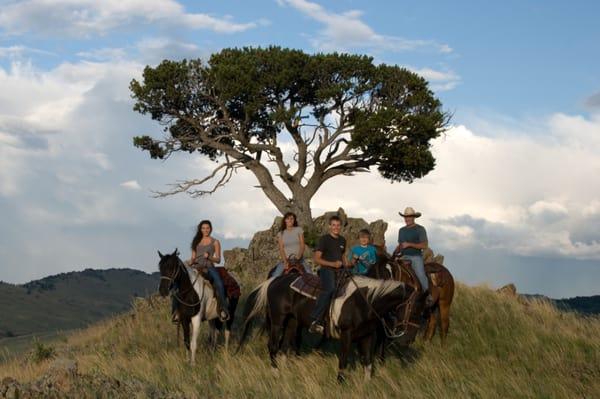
(354, 317)
(195, 300)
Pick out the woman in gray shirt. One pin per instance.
(291, 244)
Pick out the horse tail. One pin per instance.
(255, 304)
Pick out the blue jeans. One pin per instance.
(279, 269)
(419, 268)
(327, 276)
(215, 279)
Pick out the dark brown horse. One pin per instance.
(354, 317)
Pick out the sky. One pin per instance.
(514, 197)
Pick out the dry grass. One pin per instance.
(497, 348)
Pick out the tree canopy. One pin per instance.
(344, 114)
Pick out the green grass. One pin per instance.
(497, 348)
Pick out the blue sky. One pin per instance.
(515, 182)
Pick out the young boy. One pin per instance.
(363, 255)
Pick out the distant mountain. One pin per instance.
(586, 305)
(70, 300)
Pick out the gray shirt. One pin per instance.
(291, 240)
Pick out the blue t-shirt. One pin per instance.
(366, 256)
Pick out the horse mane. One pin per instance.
(376, 289)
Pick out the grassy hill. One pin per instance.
(68, 300)
(498, 347)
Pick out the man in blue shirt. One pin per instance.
(364, 255)
(412, 240)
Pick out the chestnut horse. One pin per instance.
(441, 285)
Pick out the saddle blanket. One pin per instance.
(309, 285)
(232, 287)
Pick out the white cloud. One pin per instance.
(439, 80)
(88, 17)
(345, 31)
(131, 185)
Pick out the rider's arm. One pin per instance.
(281, 248)
(301, 248)
(322, 262)
(216, 258)
(418, 245)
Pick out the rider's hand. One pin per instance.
(338, 264)
(405, 245)
(206, 255)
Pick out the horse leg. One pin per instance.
(195, 332)
(298, 339)
(233, 302)
(275, 340)
(365, 347)
(215, 327)
(380, 344)
(444, 320)
(185, 323)
(431, 324)
(346, 343)
(289, 335)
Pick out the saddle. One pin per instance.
(309, 285)
(436, 273)
(294, 266)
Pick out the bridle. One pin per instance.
(173, 292)
(397, 330)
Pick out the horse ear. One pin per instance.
(176, 252)
(161, 255)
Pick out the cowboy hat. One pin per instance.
(410, 212)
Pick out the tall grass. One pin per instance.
(497, 347)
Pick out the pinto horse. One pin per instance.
(195, 300)
(354, 316)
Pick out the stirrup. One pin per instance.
(316, 328)
(175, 318)
(223, 315)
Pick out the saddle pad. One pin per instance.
(232, 288)
(308, 285)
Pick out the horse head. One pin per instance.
(169, 267)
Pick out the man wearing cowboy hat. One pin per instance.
(412, 240)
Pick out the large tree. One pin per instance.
(341, 113)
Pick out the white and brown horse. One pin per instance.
(195, 300)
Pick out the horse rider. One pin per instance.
(329, 254)
(412, 241)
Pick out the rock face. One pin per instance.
(262, 253)
(508, 289)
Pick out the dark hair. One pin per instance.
(283, 225)
(333, 218)
(198, 235)
(365, 232)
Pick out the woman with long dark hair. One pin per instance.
(290, 240)
(206, 253)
